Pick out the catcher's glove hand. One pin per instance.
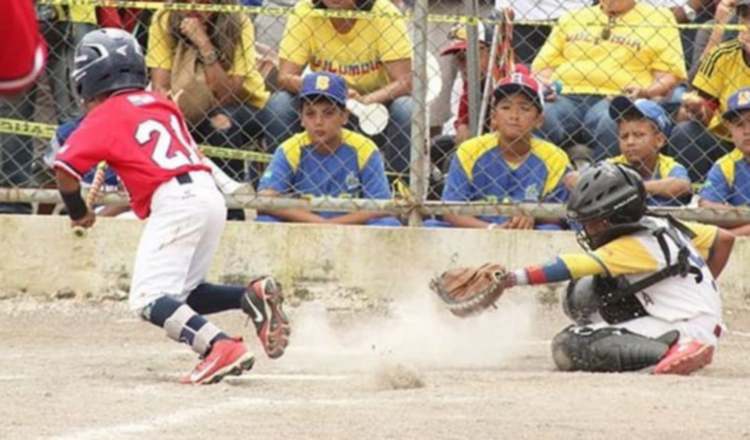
(470, 290)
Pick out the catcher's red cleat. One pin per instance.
(227, 357)
(262, 302)
(685, 358)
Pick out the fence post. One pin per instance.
(472, 66)
(420, 157)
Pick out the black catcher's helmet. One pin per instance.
(107, 60)
(607, 191)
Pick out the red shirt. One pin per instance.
(22, 48)
(142, 136)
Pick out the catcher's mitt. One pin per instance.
(470, 290)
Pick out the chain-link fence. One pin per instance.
(436, 128)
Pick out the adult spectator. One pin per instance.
(326, 160)
(707, 39)
(703, 138)
(206, 62)
(616, 47)
(372, 54)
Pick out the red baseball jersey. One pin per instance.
(142, 136)
(22, 48)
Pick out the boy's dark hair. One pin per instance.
(360, 5)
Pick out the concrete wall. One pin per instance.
(41, 256)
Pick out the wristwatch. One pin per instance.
(210, 57)
(689, 11)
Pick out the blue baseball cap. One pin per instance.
(737, 103)
(325, 84)
(622, 105)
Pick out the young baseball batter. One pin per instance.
(144, 139)
(644, 293)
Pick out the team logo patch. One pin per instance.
(743, 98)
(322, 83)
(532, 192)
(352, 182)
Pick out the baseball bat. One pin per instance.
(93, 194)
(502, 61)
(434, 79)
(373, 118)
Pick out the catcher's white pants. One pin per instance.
(703, 327)
(179, 240)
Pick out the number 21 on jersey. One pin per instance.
(167, 153)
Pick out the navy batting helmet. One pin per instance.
(107, 60)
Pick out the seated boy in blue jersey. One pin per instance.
(508, 165)
(728, 181)
(642, 129)
(326, 160)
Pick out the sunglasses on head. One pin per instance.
(607, 31)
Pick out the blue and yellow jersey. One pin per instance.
(665, 167)
(479, 172)
(355, 169)
(728, 180)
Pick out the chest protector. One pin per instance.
(617, 294)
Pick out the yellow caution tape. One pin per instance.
(47, 131)
(275, 11)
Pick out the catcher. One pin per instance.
(642, 295)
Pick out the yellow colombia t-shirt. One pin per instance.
(720, 75)
(643, 40)
(161, 48)
(358, 55)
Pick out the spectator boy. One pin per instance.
(508, 165)
(643, 127)
(728, 181)
(326, 159)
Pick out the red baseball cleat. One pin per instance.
(262, 303)
(685, 358)
(227, 356)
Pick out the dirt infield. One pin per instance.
(74, 370)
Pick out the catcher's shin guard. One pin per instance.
(608, 349)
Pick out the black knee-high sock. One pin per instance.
(212, 298)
